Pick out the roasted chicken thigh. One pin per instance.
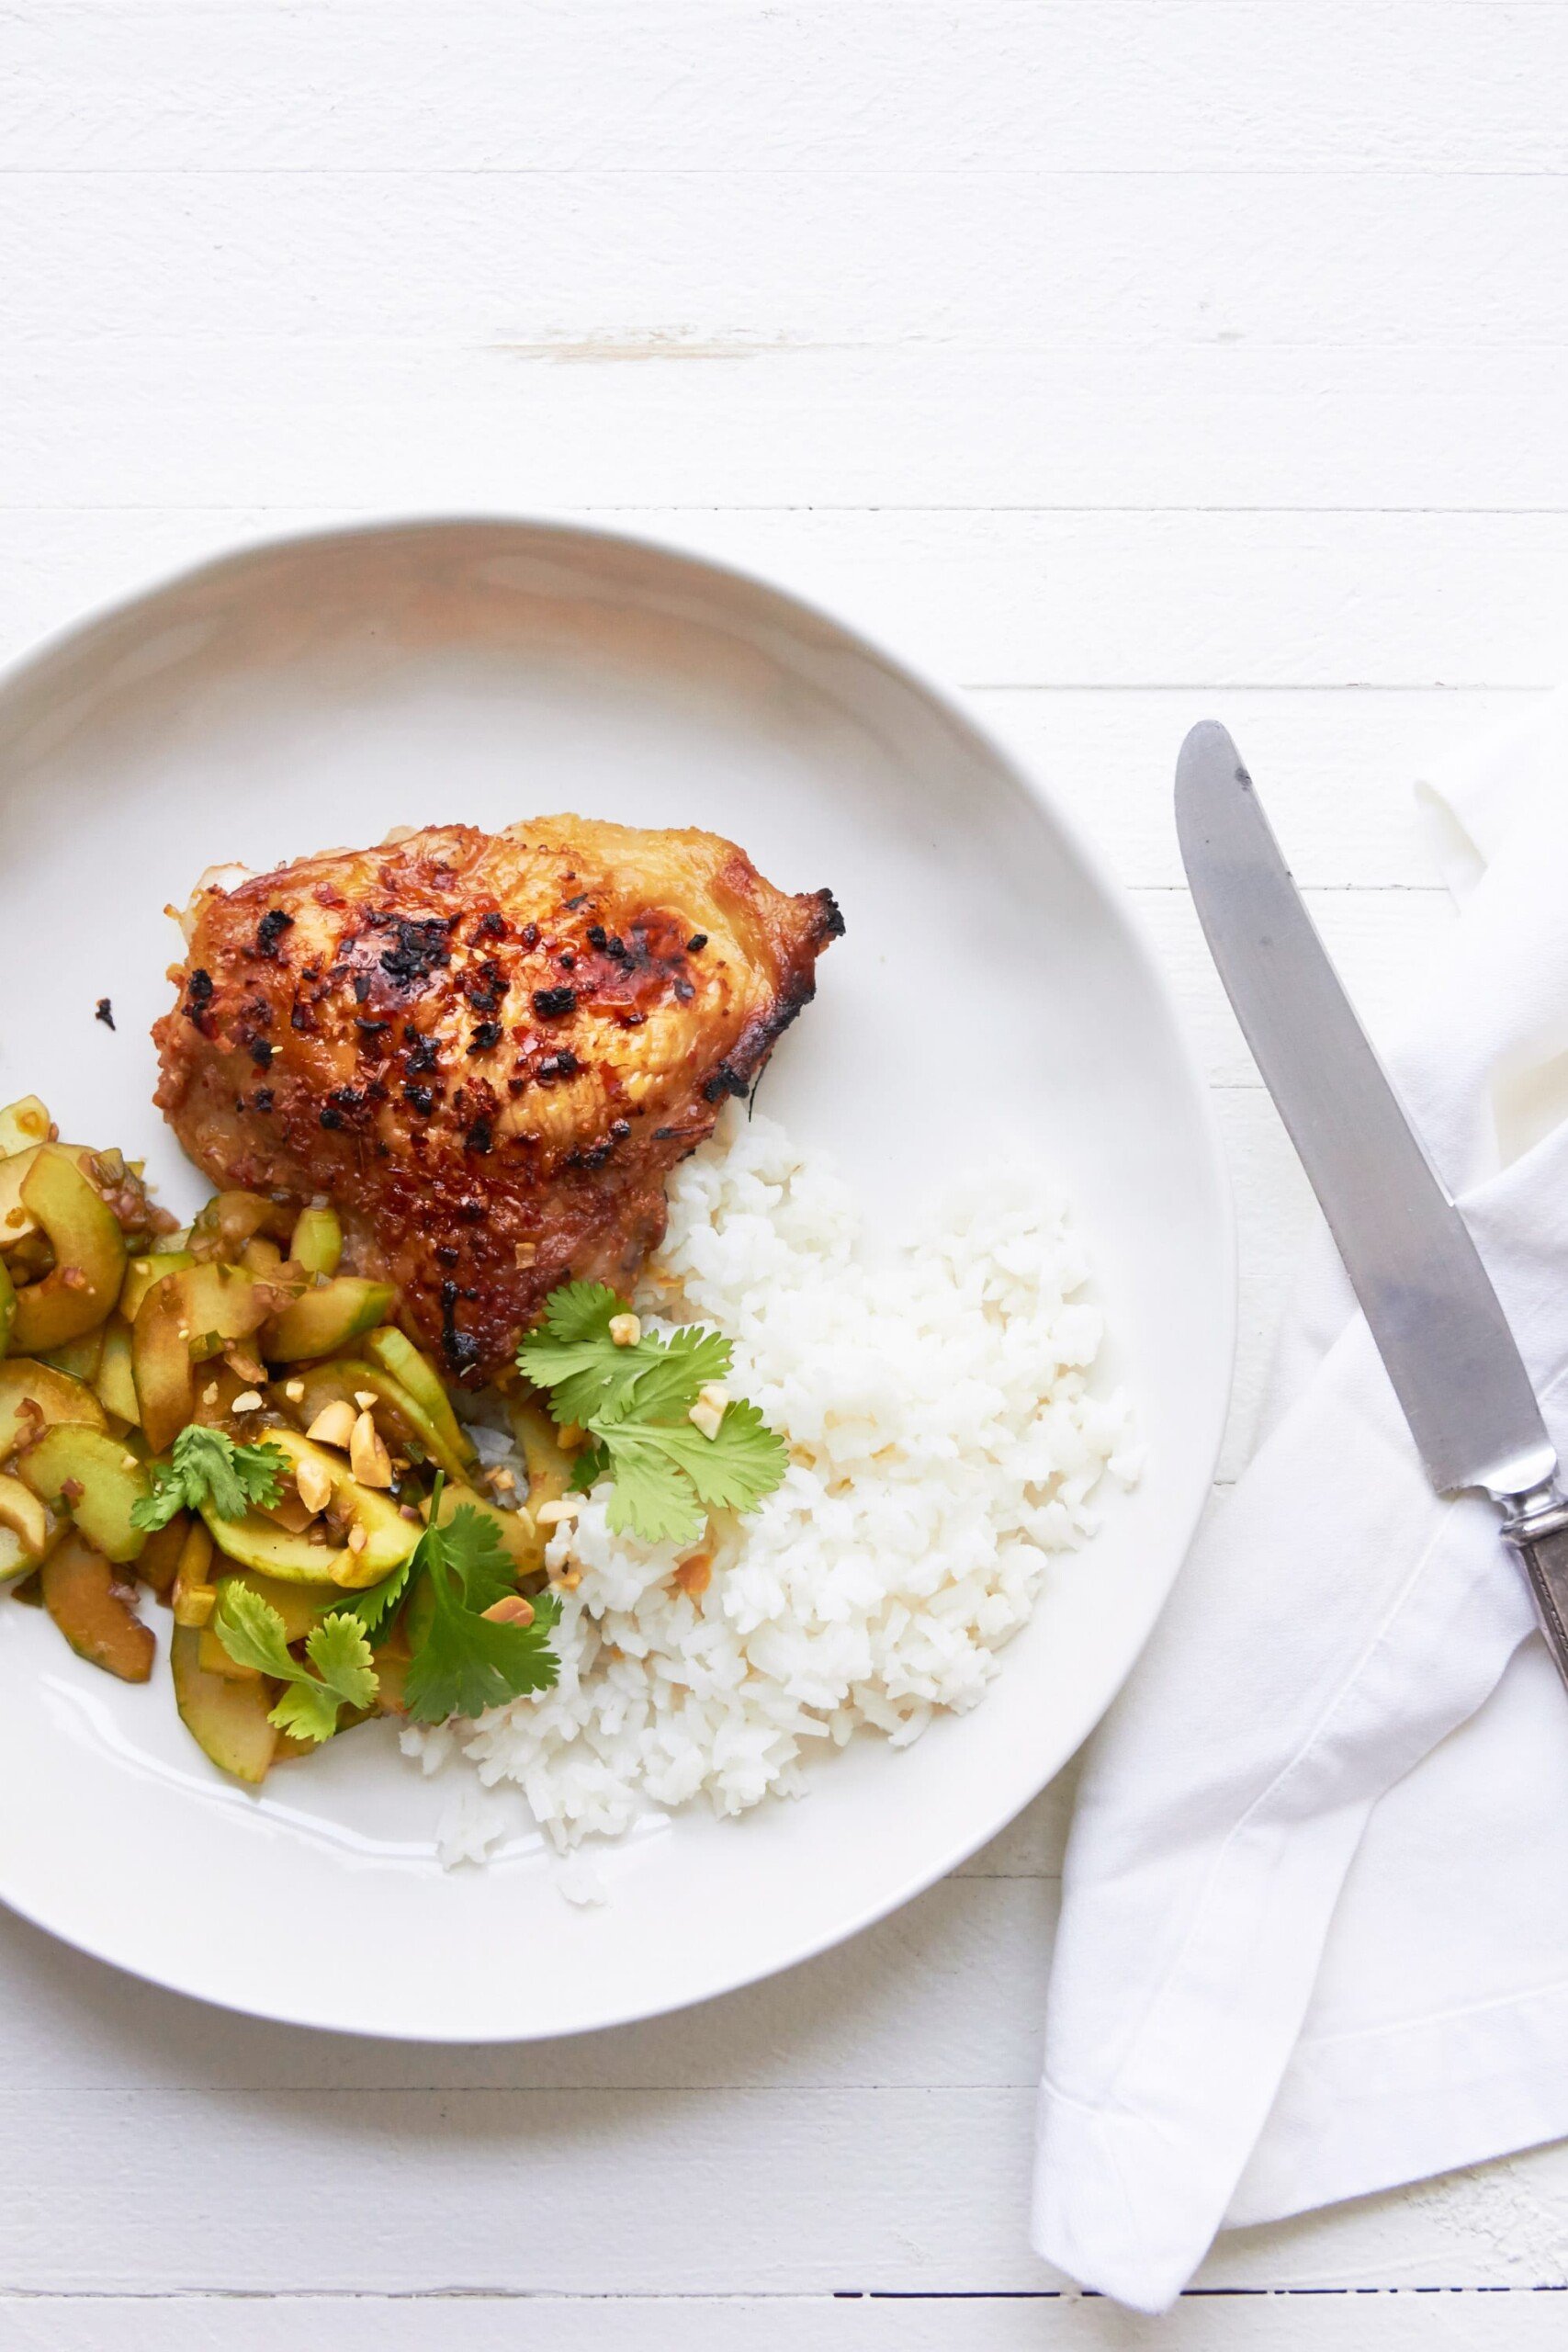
(487, 1050)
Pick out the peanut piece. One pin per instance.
(367, 1456)
(333, 1425)
(509, 1610)
(314, 1486)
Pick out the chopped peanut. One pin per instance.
(314, 1486)
(367, 1456)
(554, 1514)
(247, 1401)
(333, 1425)
(357, 1539)
(295, 1391)
(524, 1253)
(509, 1610)
(365, 1399)
(707, 1413)
(209, 1394)
(626, 1329)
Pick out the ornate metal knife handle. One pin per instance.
(1536, 1527)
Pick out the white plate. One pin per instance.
(990, 992)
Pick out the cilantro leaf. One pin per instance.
(634, 1406)
(252, 1632)
(340, 1656)
(731, 1471)
(650, 1499)
(675, 1377)
(579, 1311)
(475, 1555)
(467, 1663)
(167, 1496)
(372, 1608)
(208, 1464)
(592, 1464)
(573, 1356)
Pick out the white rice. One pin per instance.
(944, 1442)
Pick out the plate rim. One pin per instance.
(1114, 896)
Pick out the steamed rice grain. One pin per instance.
(945, 1442)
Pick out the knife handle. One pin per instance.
(1539, 1534)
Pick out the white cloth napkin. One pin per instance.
(1314, 1927)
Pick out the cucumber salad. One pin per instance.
(223, 1418)
(220, 1419)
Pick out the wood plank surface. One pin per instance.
(1123, 365)
(1372, 2321)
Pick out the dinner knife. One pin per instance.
(1428, 1299)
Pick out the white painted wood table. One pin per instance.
(1124, 362)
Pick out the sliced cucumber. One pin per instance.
(413, 1371)
(321, 1321)
(230, 1219)
(89, 1255)
(33, 1395)
(256, 1541)
(317, 1243)
(25, 1517)
(160, 1356)
(91, 1475)
(227, 1720)
(23, 1124)
(81, 1594)
(143, 1273)
(549, 1464)
(79, 1358)
(158, 1562)
(114, 1380)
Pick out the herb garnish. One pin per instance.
(635, 1404)
(467, 1661)
(206, 1463)
(252, 1632)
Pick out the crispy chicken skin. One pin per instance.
(487, 1049)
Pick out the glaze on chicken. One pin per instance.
(487, 1050)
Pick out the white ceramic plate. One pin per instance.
(990, 992)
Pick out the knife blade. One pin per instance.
(1428, 1301)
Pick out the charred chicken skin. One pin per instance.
(487, 1049)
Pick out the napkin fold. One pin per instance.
(1314, 1935)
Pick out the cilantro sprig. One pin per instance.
(205, 1464)
(635, 1403)
(467, 1661)
(464, 1662)
(254, 1635)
